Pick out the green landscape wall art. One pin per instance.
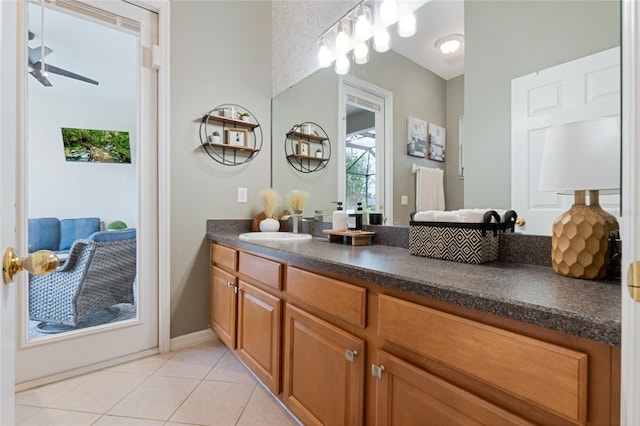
(97, 146)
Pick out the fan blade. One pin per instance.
(59, 71)
(34, 53)
(38, 75)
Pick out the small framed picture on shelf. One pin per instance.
(237, 137)
(303, 148)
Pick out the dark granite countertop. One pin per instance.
(527, 293)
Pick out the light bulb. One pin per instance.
(407, 25)
(381, 41)
(388, 12)
(343, 42)
(342, 65)
(363, 27)
(324, 56)
(450, 46)
(361, 53)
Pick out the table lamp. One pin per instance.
(582, 156)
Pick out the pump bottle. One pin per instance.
(339, 218)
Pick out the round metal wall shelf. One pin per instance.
(307, 147)
(239, 138)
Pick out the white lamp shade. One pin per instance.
(582, 155)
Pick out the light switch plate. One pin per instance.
(404, 200)
(242, 195)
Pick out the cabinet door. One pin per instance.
(407, 395)
(222, 305)
(259, 325)
(323, 371)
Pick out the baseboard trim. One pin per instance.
(192, 339)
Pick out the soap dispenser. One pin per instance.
(339, 218)
(354, 220)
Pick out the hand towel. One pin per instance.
(429, 189)
(425, 216)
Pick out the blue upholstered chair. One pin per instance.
(99, 273)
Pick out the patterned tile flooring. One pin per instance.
(201, 385)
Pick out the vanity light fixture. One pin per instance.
(388, 12)
(325, 58)
(342, 65)
(382, 41)
(450, 44)
(363, 27)
(407, 25)
(361, 53)
(343, 41)
(582, 156)
(368, 19)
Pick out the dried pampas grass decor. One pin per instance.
(297, 199)
(270, 200)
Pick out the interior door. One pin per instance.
(8, 134)
(585, 88)
(108, 44)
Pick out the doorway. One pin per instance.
(91, 148)
(366, 155)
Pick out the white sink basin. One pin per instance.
(273, 236)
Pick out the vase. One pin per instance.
(214, 139)
(269, 225)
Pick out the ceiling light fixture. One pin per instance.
(450, 44)
(356, 28)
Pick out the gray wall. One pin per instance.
(220, 53)
(416, 92)
(313, 99)
(508, 39)
(453, 185)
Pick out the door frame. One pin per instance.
(346, 83)
(630, 225)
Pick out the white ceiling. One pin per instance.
(95, 50)
(435, 19)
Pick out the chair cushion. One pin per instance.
(104, 236)
(76, 229)
(44, 233)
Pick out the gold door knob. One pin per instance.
(41, 262)
(521, 221)
(633, 281)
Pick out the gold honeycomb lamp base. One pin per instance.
(580, 238)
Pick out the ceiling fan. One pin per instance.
(36, 67)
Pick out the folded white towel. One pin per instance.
(425, 216)
(451, 216)
(471, 215)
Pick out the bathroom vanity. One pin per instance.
(355, 335)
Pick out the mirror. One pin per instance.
(503, 41)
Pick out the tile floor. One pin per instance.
(201, 385)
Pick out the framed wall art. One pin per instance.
(416, 137)
(237, 137)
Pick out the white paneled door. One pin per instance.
(58, 355)
(582, 89)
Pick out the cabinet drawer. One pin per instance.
(345, 301)
(224, 256)
(263, 270)
(549, 376)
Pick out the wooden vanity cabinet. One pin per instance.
(324, 364)
(354, 353)
(246, 310)
(259, 328)
(323, 371)
(222, 305)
